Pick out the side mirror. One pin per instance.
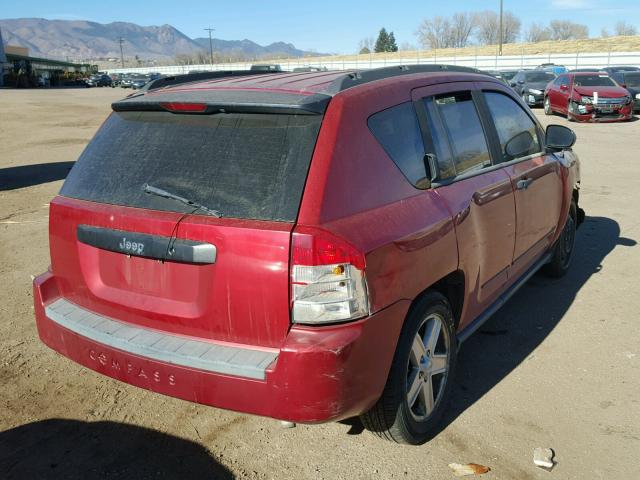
(564, 87)
(512, 84)
(521, 82)
(559, 137)
(519, 145)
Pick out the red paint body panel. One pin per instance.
(321, 374)
(223, 301)
(485, 222)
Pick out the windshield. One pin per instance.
(593, 81)
(632, 80)
(245, 165)
(508, 75)
(539, 77)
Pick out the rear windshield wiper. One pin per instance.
(151, 190)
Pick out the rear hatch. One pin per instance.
(121, 250)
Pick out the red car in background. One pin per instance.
(588, 96)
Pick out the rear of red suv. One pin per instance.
(305, 246)
(177, 266)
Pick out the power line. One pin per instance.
(121, 41)
(210, 43)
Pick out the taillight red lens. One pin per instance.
(328, 282)
(182, 107)
(313, 246)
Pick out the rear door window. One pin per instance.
(243, 165)
(517, 132)
(398, 131)
(463, 130)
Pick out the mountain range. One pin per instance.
(81, 39)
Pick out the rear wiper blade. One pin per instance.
(151, 190)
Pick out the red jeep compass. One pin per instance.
(305, 246)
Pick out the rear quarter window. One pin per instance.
(398, 131)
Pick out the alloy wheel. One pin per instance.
(567, 241)
(427, 368)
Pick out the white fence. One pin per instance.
(509, 62)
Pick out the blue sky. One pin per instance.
(324, 26)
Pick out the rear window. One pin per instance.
(632, 80)
(243, 165)
(539, 76)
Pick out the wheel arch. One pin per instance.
(452, 287)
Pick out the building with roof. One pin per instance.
(19, 69)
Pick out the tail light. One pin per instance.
(327, 278)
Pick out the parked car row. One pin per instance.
(133, 80)
(582, 94)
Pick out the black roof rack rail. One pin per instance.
(173, 80)
(360, 77)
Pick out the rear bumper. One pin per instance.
(320, 374)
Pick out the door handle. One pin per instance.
(524, 183)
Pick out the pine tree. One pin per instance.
(392, 46)
(382, 42)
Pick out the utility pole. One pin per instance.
(500, 33)
(121, 40)
(210, 43)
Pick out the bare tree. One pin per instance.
(624, 28)
(366, 45)
(183, 59)
(567, 30)
(537, 33)
(510, 28)
(435, 33)
(406, 47)
(462, 26)
(488, 24)
(604, 33)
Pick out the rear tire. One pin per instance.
(547, 106)
(420, 377)
(563, 249)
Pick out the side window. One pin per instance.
(440, 143)
(462, 131)
(558, 81)
(398, 132)
(517, 132)
(565, 81)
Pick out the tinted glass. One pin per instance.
(539, 76)
(632, 80)
(398, 132)
(243, 165)
(511, 122)
(443, 152)
(593, 81)
(466, 137)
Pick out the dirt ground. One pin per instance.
(559, 366)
